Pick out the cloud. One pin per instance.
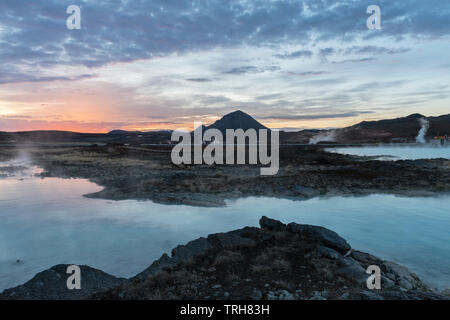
(374, 50)
(354, 60)
(199, 80)
(125, 31)
(325, 52)
(242, 70)
(251, 69)
(203, 99)
(373, 85)
(186, 60)
(295, 54)
(315, 116)
(23, 77)
(269, 96)
(307, 73)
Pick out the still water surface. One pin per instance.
(389, 152)
(44, 222)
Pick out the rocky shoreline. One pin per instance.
(273, 262)
(147, 173)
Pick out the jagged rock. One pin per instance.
(365, 258)
(191, 249)
(329, 253)
(233, 238)
(51, 284)
(352, 270)
(179, 254)
(196, 247)
(320, 234)
(401, 275)
(271, 224)
(164, 262)
(387, 283)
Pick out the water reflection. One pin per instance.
(44, 222)
(389, 152)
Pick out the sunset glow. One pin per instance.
(149, 74)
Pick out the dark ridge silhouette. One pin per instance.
(390, 130)
(405, 128)
(118, 132)
(236, 120)
(116, 136)
(410, 121)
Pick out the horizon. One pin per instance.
(163, 65)
(208, 124)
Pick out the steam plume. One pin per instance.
(423, 130)
(328, 136)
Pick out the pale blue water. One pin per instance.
(389, 152)
(47, 221)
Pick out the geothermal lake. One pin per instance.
(45, 222)
(390, 152)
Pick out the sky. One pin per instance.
(163, 64)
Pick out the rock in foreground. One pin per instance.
(272, 262)
(51, 285)
(275, 261)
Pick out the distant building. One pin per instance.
(441, 139)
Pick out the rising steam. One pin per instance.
(21, 166)
(425, 125)
(327, 136)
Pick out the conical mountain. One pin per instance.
(236, 120)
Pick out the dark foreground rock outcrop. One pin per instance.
(51, 284)
(275, 261)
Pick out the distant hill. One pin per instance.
(45, 136)
(303, 136)
(404, 129)
(439, 125)
(410, 122)
(123, 132)
(116, 136)
(236, 120)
